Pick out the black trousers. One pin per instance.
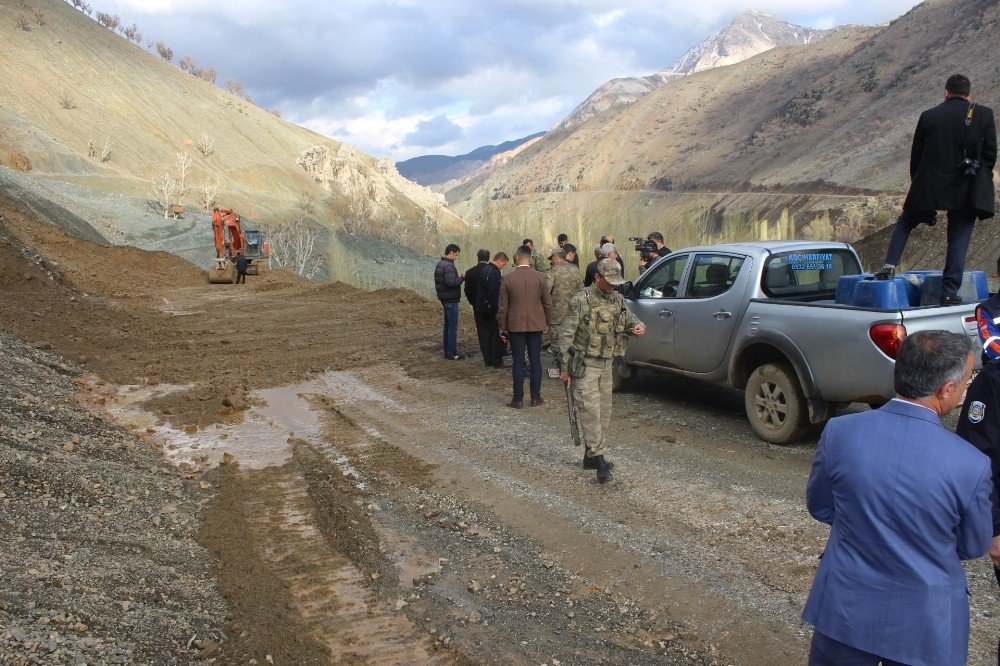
(490, 344)
(532, 343)
(241, 276)
(960, 226)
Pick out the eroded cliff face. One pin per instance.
(374, 190)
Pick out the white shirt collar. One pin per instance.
(907, 402)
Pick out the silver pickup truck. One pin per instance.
(762, 317)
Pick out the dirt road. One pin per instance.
(388, 508)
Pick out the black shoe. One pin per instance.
(603, 469)
(590, 462)
(885, 273)
(951, 300)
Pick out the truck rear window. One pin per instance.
(805, 274)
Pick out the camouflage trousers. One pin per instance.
(551, 338)
(592, 395)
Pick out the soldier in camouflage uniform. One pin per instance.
(537, 260)
(594, 332)
(564, 281)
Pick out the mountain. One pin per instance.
(94, 119)
(816, 135)
(442, 172)
(749, 34)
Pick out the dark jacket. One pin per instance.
(447, 282)
(936, 156)
(588, 276)
(488, 291)
(241, 264)
(472, 282)
(979, 424)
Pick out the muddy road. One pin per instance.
(373, 503)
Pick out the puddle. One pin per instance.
(262, 438)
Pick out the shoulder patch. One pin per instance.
(977, 411)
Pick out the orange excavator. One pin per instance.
(230, 240)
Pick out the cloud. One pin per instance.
(437, 131)
(400, 76)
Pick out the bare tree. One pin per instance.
(234, 87)
(106, 151)
(249, 98)
(187, 64)
(66, 100)
(206, 74)
(23, 23)
(206, 144)
(165, 51)
(85, 8)
(208, 192)
(149, 44)
(109, 21)
(91, 149)
(293, 246)
(181, 175)
(40, 17)
(275, 112)
(132, 34)
(163, 190)
(306, 202)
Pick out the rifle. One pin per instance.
(574, 428)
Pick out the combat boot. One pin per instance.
(603, 469)
(589, 461)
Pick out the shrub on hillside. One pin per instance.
(234, 87)
(275, 112)
(165, 51)
(19, 160)
(206, 74)
(110, 21)
(39, 17)
(23, 23)
(133, 35)
(66, 101)
(187, 64)
(206, 144)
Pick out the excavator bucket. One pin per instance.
(222, 272)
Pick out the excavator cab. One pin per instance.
(230, 240)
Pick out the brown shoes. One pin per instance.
(536, 402)
(516, 404)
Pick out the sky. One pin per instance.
(405, 77)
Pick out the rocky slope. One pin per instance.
(442, 172)
(84, 106)
(749, 34)
(813, 133)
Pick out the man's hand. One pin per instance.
(503, 335)
(639, 330)
(994, 551)
(568, 381)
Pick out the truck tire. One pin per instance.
(775, 405)
(620, 374)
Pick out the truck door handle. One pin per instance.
(722, 314)
(666, 313)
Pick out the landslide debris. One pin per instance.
(98, 559)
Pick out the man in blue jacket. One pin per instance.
(448, 285)
(907, 501)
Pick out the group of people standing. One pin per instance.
(532, 308)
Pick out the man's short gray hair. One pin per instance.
(929, 359)
(608, 248)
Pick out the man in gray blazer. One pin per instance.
(907, 501)
(525, 314)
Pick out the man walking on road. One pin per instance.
(907, 501)
(951, 168)
(471, 287)
(448, 285)
(563, 281)
(488, 306)
(525, 313)
(594, 332)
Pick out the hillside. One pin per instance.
(69, 82)
(442, 172)
(816, 134)
(749, 34)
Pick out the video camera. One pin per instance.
(645, 247)
(969, 167)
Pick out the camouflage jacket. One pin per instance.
(596, 324)
(564, 281)
(538, 262)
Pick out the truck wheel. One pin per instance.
(775, 404)
(621, 373)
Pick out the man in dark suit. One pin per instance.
(951, 168)
(525, 314)
(471, 287)
(486, 307)
(907, 501)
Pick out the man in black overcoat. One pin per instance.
(951, 169)
(471, 287)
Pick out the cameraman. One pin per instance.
(951, 168)
(650, 249)
(657, 238)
